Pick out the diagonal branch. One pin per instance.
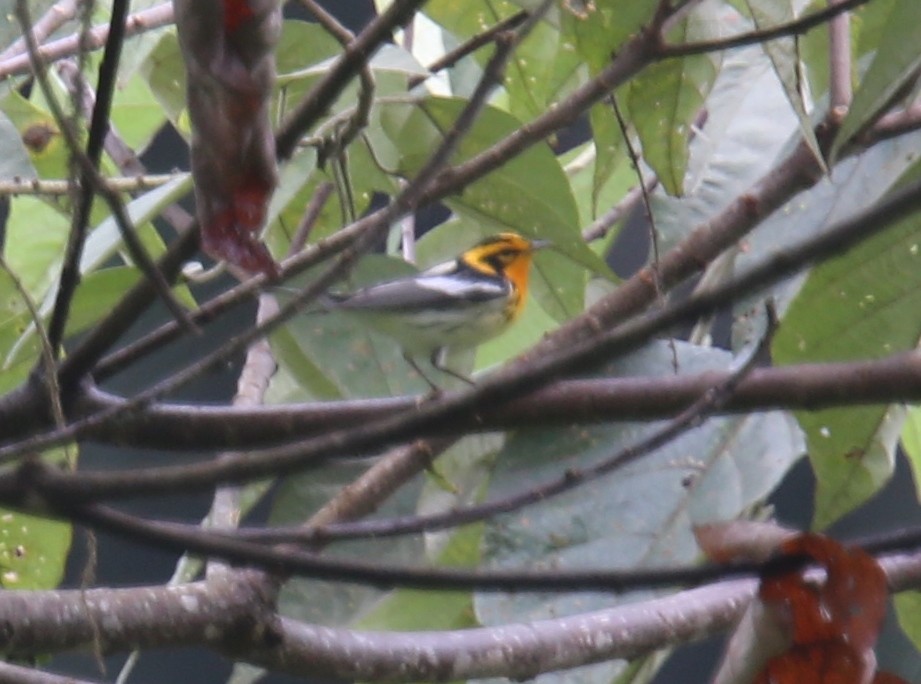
(144, 20)
(792, 28)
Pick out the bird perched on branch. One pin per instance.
(455, 305)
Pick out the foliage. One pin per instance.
(715, 128)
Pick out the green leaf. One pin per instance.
(98, 293)
(908, 612)
(748, 122)
(600, 28)
(610, 150)
(856, 306)
(911, 443)
(14, 159)
(541, 72)
(136, 114)
(638, 516)
(40, 135)
(33, 551)
(663, 101)
(892, 68)
(302, 45)
(855, 184)
(15, 319)
(164, 70)
(784, 55)
(35, 254)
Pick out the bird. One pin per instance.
(456, 305)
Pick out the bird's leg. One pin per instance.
(437, 361)
(409, 359)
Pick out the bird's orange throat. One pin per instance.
(518, 272)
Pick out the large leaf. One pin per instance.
(542, 71)
(911, 443)
(35, 239)
(862, 304)
(892, 68)
(14, 159)
(598, 29)
(665, 98)
(908, 610)
(39, 134)
(136, 114)
(784, 55)
(638, 516)
(748, 119)
(33, 551)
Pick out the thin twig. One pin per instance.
(452, 57)
(600, 227)
(359, 120)
(839, 63)
(56, 16)
(54, 187)
(311, 216)
(11, 673)
(644, 193)
(145, 20)
(792, 28)
(195, 540)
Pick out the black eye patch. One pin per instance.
(500, 259)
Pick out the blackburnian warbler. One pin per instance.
(455, 305)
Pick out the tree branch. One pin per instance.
(501, 386)
(46, 187)
(805, 387)
(53, 621)
(839, 63)
(145, 20)
(792, 28)
(16, 674)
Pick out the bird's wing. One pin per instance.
(425, 292)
